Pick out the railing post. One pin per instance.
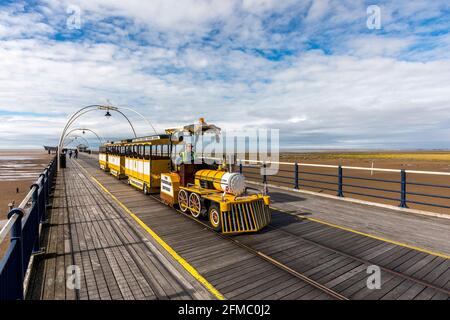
(264, 174)
(296, 175)
(265, 189)
(16, 236)
(44, 193)
(340, 184)
(240, 168)
(47, 187)
(403, 189)
(36, 206)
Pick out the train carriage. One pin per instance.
(116, 160)
(103, 159)
(145, 159)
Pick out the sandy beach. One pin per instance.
(18, 170)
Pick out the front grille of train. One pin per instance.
(246, 216)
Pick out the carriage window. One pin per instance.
(165, 150)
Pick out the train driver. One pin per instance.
(188, 155)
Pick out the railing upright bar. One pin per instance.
(46, 187)
(296, 176)
(264, 176)
(340, 192)
(16, 241)
(36, 208)
(403, 189)
(43, 194)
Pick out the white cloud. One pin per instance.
(164, 62)
(317, 10)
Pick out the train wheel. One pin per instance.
(195, 205)
(214, 217)
(183, 201)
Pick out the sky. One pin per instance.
(327, 74)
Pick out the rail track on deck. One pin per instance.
(335, 261)
(300, 275)
(261, 255)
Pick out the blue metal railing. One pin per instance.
(341, 182)
(23, 226)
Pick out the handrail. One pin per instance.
(343, 184)
(336, 166)
(7, 227)
(29, 195)
(23, 226)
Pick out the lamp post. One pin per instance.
(90, 108)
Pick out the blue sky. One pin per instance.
(312, 69)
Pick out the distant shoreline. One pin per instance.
(362, 150)
(289, 150)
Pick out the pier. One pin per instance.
(118, 243)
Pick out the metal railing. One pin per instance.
(23, 227)
(395, 186)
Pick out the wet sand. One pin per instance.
(18, 170)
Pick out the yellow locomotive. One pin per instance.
(205, 190)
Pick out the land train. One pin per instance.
(207, 191)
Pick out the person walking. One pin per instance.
(76, 153)
(70, 154)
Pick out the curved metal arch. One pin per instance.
(76, 137)
(134, 131)
(141, 115)
(86, 111)
(90, 108)
(84, 129)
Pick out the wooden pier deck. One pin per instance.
(126, 245)
(117, 260)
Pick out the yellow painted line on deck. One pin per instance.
(438, 254)
(168, 248)
(157, 238)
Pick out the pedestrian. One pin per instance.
(76, 153)
(70, 154)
